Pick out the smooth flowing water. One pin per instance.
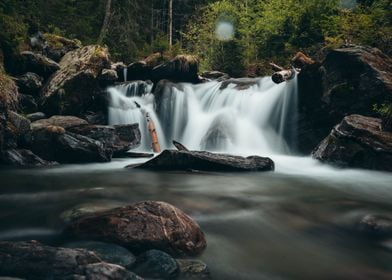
(298, 222)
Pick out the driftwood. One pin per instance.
(154, 137)
(179, 146)
(283, 76)
(299, 61)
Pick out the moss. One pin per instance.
(58, 42)
(8, 92)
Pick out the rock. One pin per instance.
(349, 81)
(36, 63)
(107, 252)
(65, 122)
(375, 225)
(55, 144)
(99, 117)
(9, 95)
(28, 104)
(29, 83)
(215, 75)
(205, 161)
(21, 127)
(119, 138)
(239, 83)
(182, 68)
(56, 46)
(36, 116)
(87, 208)
(106, 271)
(108, 77)
(139, 71)
(143, 226)
(119, 68)
(23, 158)
(33, 260)
(155, 264)
(75, 88)
(358, 142)
(193, 269)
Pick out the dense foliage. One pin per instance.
(264, 30)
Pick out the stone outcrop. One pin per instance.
(37, 63)
(143, 226)
(359, 142)
(205, 161)
(56, 47)
(349, 81)
(76, 87)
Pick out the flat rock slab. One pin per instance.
(205, 161)
(143, 226)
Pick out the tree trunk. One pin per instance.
(105, 24)
(170, 23)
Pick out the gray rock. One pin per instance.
(23, 158)
(37, 63)
(65, 122)
(36, 116)
(193, 269)
(155, 264)
(21, 126)
(29, 83)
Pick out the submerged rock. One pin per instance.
(110, 253)
(205, 161)
(375, 225)
(357, 141)
(155, 264)
(143, 226)
(193, 269)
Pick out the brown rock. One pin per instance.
(65, 122)
(143, 226)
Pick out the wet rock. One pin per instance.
(119, 68)
(182, 68)
(193, 269)
(23, 158)
(36, 116)
(349, 81)
(215, 75)
(75, 88)
(357, 141)
(28, 103)
(205, 161)
(108, 77)
(9, 95)
(106, 271)
(86, 209)
(143, 226)
(36, 63)
(56, 46)
(155, 264)
(107, 252)
(32, 260)
(239, 83)
(138, 71)
(29, 83)
(375, 225)
(119, 138)
(21, 127)
(96, 117)
(55, 144)
(65, 122)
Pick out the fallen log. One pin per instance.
(179, 146)
(283, 76)
(205, 161)
(300, 60)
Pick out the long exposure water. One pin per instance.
(298, 222)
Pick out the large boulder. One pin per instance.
(21, 127)
(357, 141)
(32, 260)
(75, 88)
(118, 138)
(143, 226)
(66, 122)
(29, 83)
(37, 63)
(57, 46)
(53, 143)
(205, 161)
(182, 68)
(349, 81)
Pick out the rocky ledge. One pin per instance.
(358, 142)
(205, 161)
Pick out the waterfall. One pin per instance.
(248, 116)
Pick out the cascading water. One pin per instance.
(245, 117)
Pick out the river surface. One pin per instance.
(295, 223)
